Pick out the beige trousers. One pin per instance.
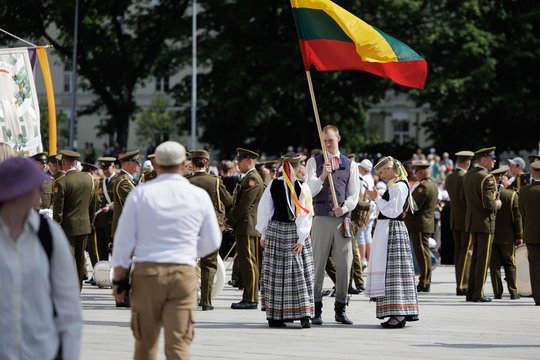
(163, 295)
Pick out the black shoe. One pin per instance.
(326, 292)
(468, 298)
(244, 305)
(340, 315)
(333, 293)
(461, 292)
(412, 318)
(515, 296)
(360, 288)
(421, 288)
(123, 305)
(398, 325)
(482, 299)
(353, 291)
(305, 322)
(90, 281)
(276, 323)
(317, 319)
(207, 307)
(498, 297)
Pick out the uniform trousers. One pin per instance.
(163, 295)
(327, 236)
(249, 255)
(462, 258)
(103, 239)
(534, 270)
(503, 255)
(208, 273)
(91, 247)
(77, 245)
(481, 253)
(420, 243)
(356, 268)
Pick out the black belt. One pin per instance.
(382, 217)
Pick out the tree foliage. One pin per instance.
(155, 124)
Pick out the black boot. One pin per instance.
(317, 319)
(341, 317)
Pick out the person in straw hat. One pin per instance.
(284, 220)
(40, 293)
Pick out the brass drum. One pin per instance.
(523, 275)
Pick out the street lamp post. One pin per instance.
(74, 78)
(194, 77)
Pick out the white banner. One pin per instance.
(19, 108)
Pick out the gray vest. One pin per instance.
(322, 202)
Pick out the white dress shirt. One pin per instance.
(168, 220)
(28, 329)
(265, 211)
(353, 186)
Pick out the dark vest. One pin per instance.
(386, 196)
(323, 203)
(281, 207)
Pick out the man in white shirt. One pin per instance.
(331, 222)
(167, 224)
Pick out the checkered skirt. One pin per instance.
(400, 298)
(286, 278)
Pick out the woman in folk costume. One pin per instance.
(390, 275)
(284, 221)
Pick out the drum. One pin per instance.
(102, 274)
(523, 275)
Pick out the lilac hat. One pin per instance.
(19, 176)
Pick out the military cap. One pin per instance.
(70, 155)
(105, 162)
(270, 164)
(242, 153)
(533, 158)
(489, 151)
(53, 159)
(130, 155)
(500, 171)
(86, 167)
(40, 157)
(464, 154)
(535, 165)
(58, 157)
(201, 153)
(420, 165)
(151, 156)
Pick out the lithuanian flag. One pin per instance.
(331, 38)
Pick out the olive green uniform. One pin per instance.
(103, 221)
(529, 205)
(519, 181)
(74, 208)
(148, 176)
(91, 243)
(243, 218)
(480, 193)
(421, 224)
(462, 246)
(508, 228)
(47, 196)
(220, 198)
(123, 184)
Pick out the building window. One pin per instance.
(162, 83)
(401, 131)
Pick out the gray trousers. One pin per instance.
(326, 234)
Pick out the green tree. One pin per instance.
(254, 92)
(155, 124)
(121, 43)
(62, 131)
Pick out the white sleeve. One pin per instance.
(265, 211)
(303, 222)
(315, 184)
(210, 234)
(394, 206)
(125, 237)
(66, 294)
(353, 188)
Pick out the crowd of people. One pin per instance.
(289, 221)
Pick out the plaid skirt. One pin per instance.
(400, 298)
(286, 278)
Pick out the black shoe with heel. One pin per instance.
(306, 324)
(398, 325)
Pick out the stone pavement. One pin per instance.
(449, 328)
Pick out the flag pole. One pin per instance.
(319, 130)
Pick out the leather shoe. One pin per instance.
(326, 292)
(398, 325)
(482, 299)
(421, 288)
(361, 288)
(244, 305)
(305, 322)
(461, 292)
(207, 307)
(515, 296)
(353, 291)
(276, 323)
(498, 297)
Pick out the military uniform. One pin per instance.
(480, 193)
(421, 224)
(103, 220)
(243, 218)
(123, 184)
(74, 209)
(508, 229)
(458, 208)
(529, 206)
(46, 196)
(220, 199)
